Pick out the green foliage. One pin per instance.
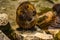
(57, 36)
(56, 0)
(42, 19)
(34, 1)
(44, 10)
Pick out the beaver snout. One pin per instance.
(25, 17)
(29, 19)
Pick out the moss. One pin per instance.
(42, 19)
(44, 10)
(56, 0)
(13, 0)
(57, 36)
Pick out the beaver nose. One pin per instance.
(29, 19)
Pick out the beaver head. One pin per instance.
(56, 8)
(25, 14)
(26, 11)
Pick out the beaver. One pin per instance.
(56, 23)
(56, 8)
(25, 15)
(43, 21)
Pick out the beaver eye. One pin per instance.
(34, 13)
(27, 6)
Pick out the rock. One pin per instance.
(35, 36)
(3, 36)
(3, 19)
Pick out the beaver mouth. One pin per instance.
(28, 22)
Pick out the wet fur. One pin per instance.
(25, 12)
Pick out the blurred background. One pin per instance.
(9, 7)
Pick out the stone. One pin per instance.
(3, 36)
(34, 36)
(3, 19)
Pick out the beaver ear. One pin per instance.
(56, 8)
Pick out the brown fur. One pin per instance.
(25, 13)
(46, 22)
